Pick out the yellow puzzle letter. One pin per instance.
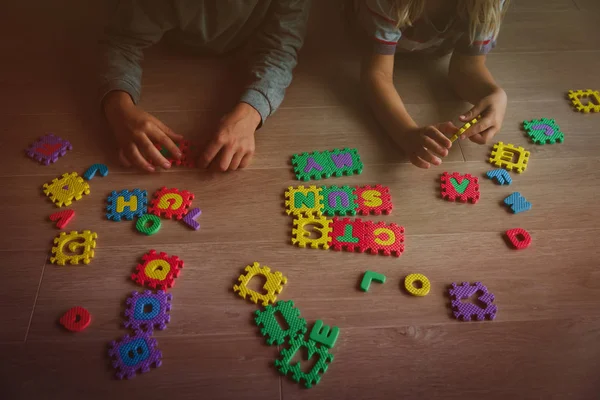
(62, 191)
(273, 285)
(74, 247)
(301, 200)
(301, 236)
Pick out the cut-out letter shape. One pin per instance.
(519, 238)
(134, 354)
(368, 277)
(190, 218)
(517, 203)
(465, 311)
(501, 176)
(301, 236)
(74, 247)
(62, 191)
(126, 204)
(319, 165)
(270, 327)
(91, 171)
(542, 131)
(423, 282)
(462, 187)
(170, 203)
(324, 334)
(373, 200)
(385, 239)
(148, 311)
(273, 284)
(148, 224)
(593, 97)
(303, 200)
(348, 234)
(312, 377)
(48, 149)
(509, 157)
(62, 218)
(339, 200)
(157, 271)
(76, 319)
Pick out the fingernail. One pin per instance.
(167, 165)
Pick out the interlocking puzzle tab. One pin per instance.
(91, 171)
(134, 354)
(509, 157)
(517, 203)
(273, 285)
(48, 148)
(148, 311)
(543, 131)
(519, 238)
(301, 236)
(157, 271)
(593, 97)
(62, 191)
(272, 330)
(348, 234)
(464, 128)
(303, 200)
(126, 204)
(76, 319)
(319, 165)
(370, 276)
(464, 187)
(324, 335)
(386, 239)
(171, 203)
(338, 200)
(501, 176)
(466, 311)
(373, 200)
(148, 224)
(62, 218)
(419, 279)
(80, 248)
(313, 377)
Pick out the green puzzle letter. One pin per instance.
(347, 238)
(301, 199)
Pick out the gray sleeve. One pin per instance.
(275, 50)
(133, 28)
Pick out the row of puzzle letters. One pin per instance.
(324, 164)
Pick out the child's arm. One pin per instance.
(474, 83)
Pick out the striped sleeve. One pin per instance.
(482, 44)
(378, 23)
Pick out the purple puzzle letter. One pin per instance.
(342, 160)
(339, 194)
(310, 164)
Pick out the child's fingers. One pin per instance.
(472, 113)
(482, 125)
(167, 143)
(482, 138)
(418, 162)
(236, 160)
(427, 156)
(209, 153)
(168, 130)
(226, 155)
(435, 147)
(150, 150)
(124, 159)
(136, 158)
(438, 137)
(246, 160)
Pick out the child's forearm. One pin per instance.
(470, 77)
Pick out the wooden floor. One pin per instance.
(544, 343)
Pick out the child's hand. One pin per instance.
(425, 145)
(232, 147)
(137, 131)
(492, 109)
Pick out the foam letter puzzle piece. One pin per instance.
(464, 128)
(62, 218)
(48, 149)
(134, 354)
(464, 187)
(466, 311)
(385, 239)
(593, 96)
(370, 276)
(313, 377)
(319, 165)
(409, 285)
(517, 203)
(80, 248)
(303, 200)
(91, 171)
(272, 330)
(157, 271)
(190, 218)
(273, 285)
(542, 131)
(348, 234)
(126, 204)
(324, 334)
(301, 236)
(187, 156)
(338, 200)
(373, 200)
(76, 319)
(148, 224)
(509, 157)
(519, 238)
(148, 311)
(171, 203)
(62, 191)
(501, 176)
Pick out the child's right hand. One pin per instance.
(137, 131)
(426, 145)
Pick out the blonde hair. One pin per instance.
(484, 16)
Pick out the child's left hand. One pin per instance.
(492, 109)
(232, 147)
